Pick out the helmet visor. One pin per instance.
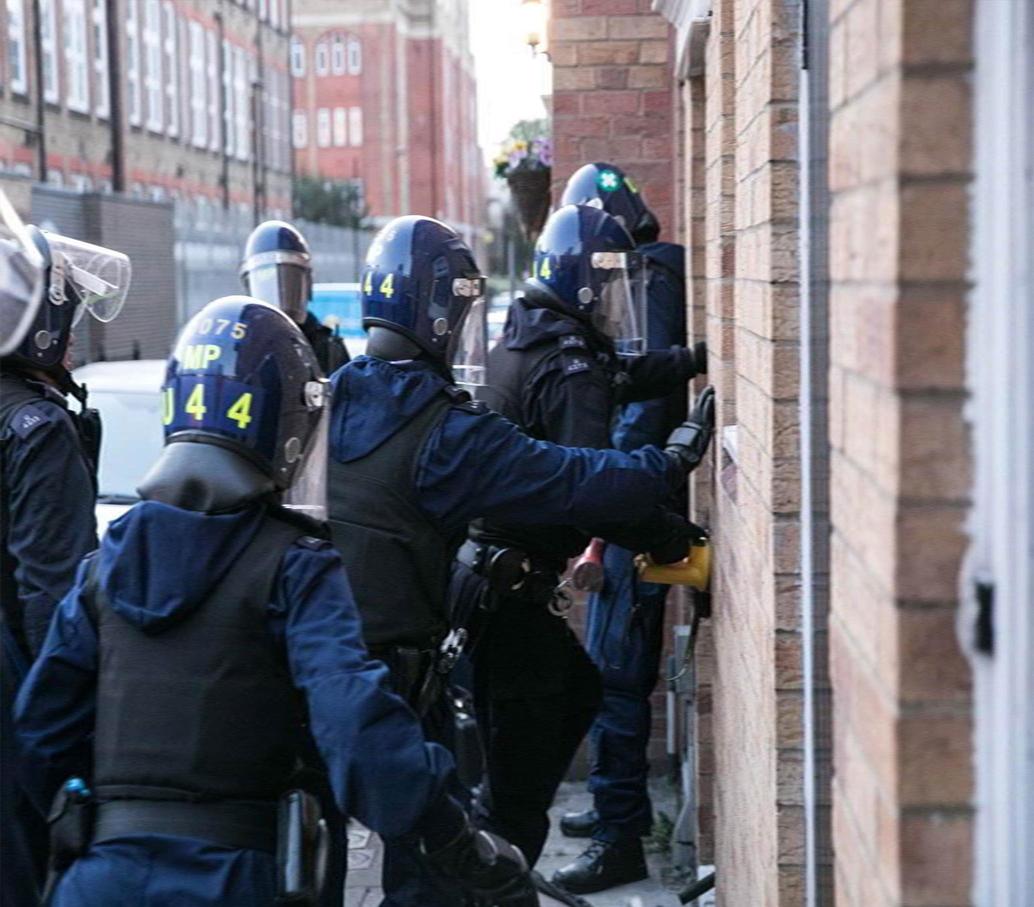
(286, 284)
(308, 489)
(99, 277)
(21, 278)
(620, 312)
(470, 346)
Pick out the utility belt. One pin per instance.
(512, 573)
(292, 828)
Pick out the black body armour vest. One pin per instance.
(205, 709)
(398, 559)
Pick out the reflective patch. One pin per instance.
(313, 543)
(572, 342)
(28, 419)
(576, 364)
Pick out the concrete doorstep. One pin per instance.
(660, 890)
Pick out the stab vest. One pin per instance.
(398, 559)
(205, 709)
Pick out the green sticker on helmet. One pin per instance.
(608, 181)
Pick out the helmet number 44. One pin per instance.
(386, 289)
(239, 412)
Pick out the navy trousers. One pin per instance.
(625, 639)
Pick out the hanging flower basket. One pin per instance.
(530, 191)
(527, 169)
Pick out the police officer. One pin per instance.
(626, 618)
(558, 373)
(48, 460)
(277, 268)
(413, 461)
(213, 626)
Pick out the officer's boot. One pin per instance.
(604, 865)
(579, 825)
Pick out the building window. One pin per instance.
(229, 133)
(337, 56)
(297, 57)
(212, 64)
(133, 103)
(323, 127)
(153, 65)
(340, 127)
(48, 39)
(99, 19)
(198, 95)
(355, 126)
(172, 75)
(321, 59)
(263, 10)
(16, 72)
(355, 56)
(242, 105)
(77, 66)
(300, 129)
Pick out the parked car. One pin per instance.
(339, 307)
(128, 397)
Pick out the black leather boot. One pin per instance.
(579, 825)
(603, 866)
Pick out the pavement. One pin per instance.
(365, 854)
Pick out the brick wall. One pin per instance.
(900, 159)
(613, 97)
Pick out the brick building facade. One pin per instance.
(817, 160)
(385, 96)
(183, 100)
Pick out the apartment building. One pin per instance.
(385, 97)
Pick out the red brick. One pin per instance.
(609, 7)
(611, 103)
(612, 77)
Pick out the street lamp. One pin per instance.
(535, 17)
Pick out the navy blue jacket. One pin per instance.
(158, 562)
(477, 464)
(47, 501)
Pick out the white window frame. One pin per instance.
(321, 59)
(77, 59)
(214, 79)
(134, 94)
(355, 127)
(48, 41)
(153, 65)
(323, 131)
(229, 97)
(340, 127)
(300, 129)
(16, 47)
(297, 57)
(101, 86)
(337, 55)
(172, 74)
(1000, 338)
(242, 104)
(355, 56)
(198, 87)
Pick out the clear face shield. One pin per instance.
(308, 490)
(621, 310)
(283, 279)
(470, 344)
(21, 278)
(99, 277)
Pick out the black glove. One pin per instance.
(700, 356)
(677, 547)
(688, 444)
(488, 867)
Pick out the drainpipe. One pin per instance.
(113, 26)
(41, 106)
(814, 206)
(224, 89)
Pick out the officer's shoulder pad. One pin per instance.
(313, 543)
(574, 365)
(572, 342)
(476, 407)
(33, 416)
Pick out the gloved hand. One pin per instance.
(488, 867)
(688, 444)
(700, 357)
(677, 547)
(692, 360)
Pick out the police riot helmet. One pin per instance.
(242, 377)
(21, 278)
(78, 277)
(586, 265)
(277, 268)
(608, 187)
(422, 284)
